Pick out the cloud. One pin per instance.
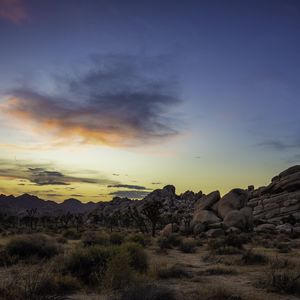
(155, 183)
(13, 11)
(43, 175)
(135, 194)
(127, 186)
(279, 144)
(120, 101)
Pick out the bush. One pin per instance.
(223, 246)
(174, 271)
(216, 293)
(72, 234)
(89, 264)
(137, 238)
(147, 292)
(91, 238)
(116, 238)
(119, 274)
(282, 276)
(220, 271)
(137, 255)
(173, 240)
(36, 245)
(188, 245)
(252, 258)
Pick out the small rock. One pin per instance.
(215, 232)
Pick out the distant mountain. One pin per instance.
(19, 205)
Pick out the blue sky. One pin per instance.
(202, 94)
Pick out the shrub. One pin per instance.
(283, 247)
(252, 258)
(89, 264)
(61, 240)
(116, 238)
(91, 238)
(119, 274)
(72, 234)
(220, 271)
(147, 292)
(137, 255)
(222, 246)
(36, 245)
(136, 238)
(175, 271)
(282, 277)
(188, 245)
(173, 240)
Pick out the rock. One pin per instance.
(169, 229)
(248, 213)
(207, 201)
(199, 228)
(215, 225)
(235, 218)
(215, 233)
(233, 230)
(204, 216)
(234, 200)
(284, 228)
(265, 228)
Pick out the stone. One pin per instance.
(215, 233)
(284, 228)
(204, 216)
(234, 200)
(233, 230)
(265, 228)
(207, 201)
(169, 229)
(199, 228)
(235, 218)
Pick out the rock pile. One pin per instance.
(276, 207)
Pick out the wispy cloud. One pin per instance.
(118, 102)
(44, 175)
(135, 194)
(127, 186)
(279, 144)
(13, 11)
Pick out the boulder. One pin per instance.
(199, 228)
(215, 233)
(284, 228)
(235, 218)
(265, 228)
(207, 201)
(234, 200)
(169, 229)
(248, 213)
(204, 216)
(233, 230)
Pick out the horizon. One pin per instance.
(105, 98)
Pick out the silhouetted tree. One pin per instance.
(151, 210)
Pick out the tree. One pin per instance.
(152, 211)
(31, 215)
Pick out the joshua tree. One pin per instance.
(65, 219)
(31, 215)
(152, 211)
(138, 219)
(78, 220)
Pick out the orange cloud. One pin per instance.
(13, 11)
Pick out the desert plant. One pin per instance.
(188, 245)
(136, 238)
(175, 271)
(91, 238)
(36, 245)
(250, 257)
(72, 234)
(137, 255)
(116, 238)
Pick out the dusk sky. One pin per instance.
(116, 98)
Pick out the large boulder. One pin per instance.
(207, 201)
(169, 229)
(265, 228)
(288, 180)
(204, 216)
(234, 200)
(235, 218)
(215, 233)
(248, 213)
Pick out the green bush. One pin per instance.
(37, 245)
(175, 271)
(137, 255)
(173, 240)
(188, 245)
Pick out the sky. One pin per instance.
(117, 98)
